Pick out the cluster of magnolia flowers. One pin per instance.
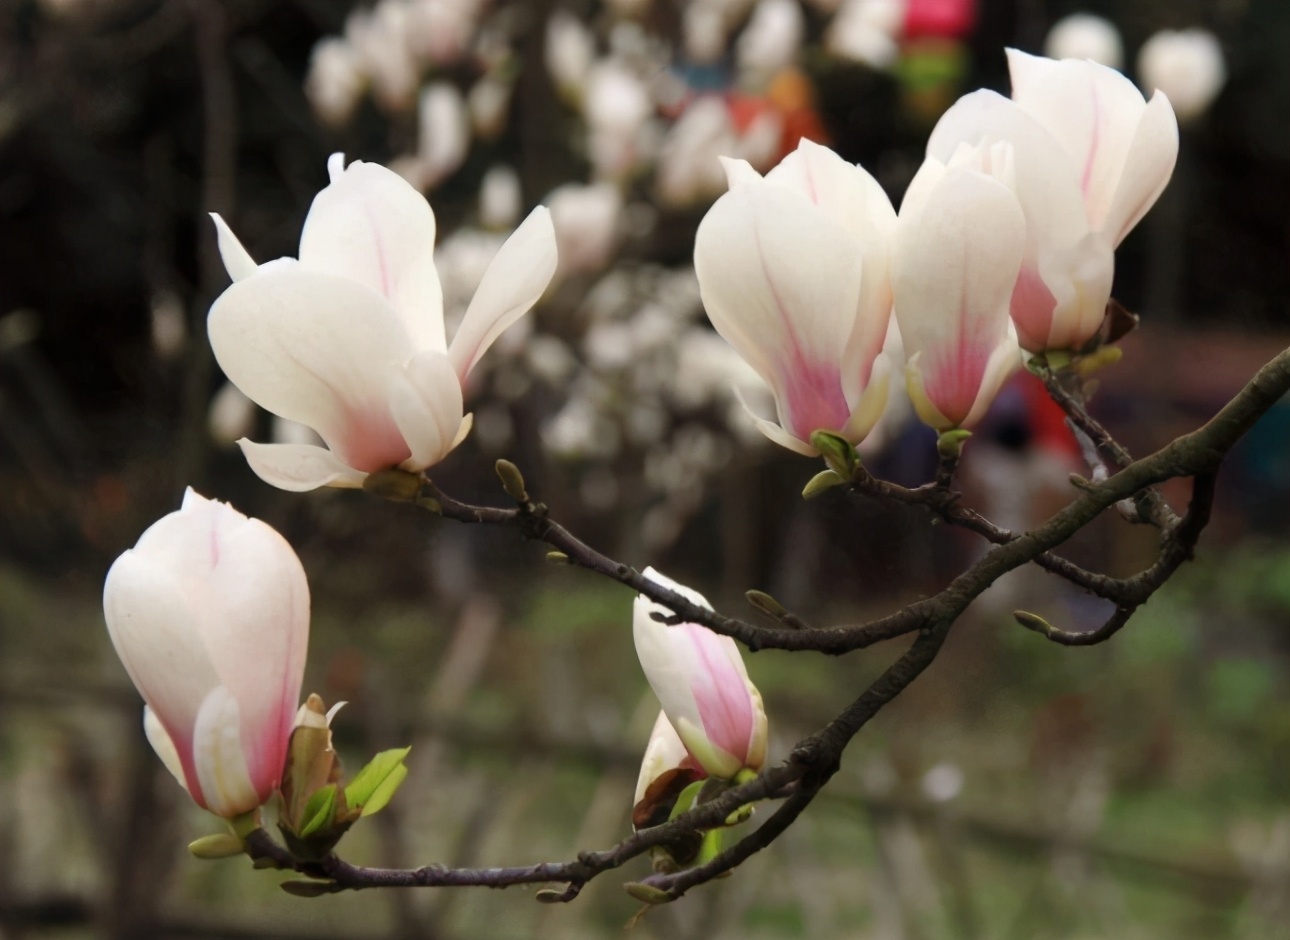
(1004, 242)
(209, 614)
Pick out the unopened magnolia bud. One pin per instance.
(824, 480)
(310, 889)
(216, 845)
(647, 894)
(549, 896)
(1033, 622)
(766, 604)
(512, 481)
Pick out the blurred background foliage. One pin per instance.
(1134, 790)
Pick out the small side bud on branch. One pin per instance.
(400, 486)
(766, 604)
(216, 845)
(512, 481)
(311, 889)
(1033, 622)
(551, 896)
(824, 480)
(557, 558)
(1104, 356)
(648, 894)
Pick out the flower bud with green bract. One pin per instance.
(792, 269)
(209, 613)
(700, 680)
(349, 339)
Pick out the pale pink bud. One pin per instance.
(349, 340)
(1091, 158)
(700, 680)
(959, 244)
(793, 271)
(665, 752)
(209, 613)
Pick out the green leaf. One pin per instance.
(374, 785)
(319, 811)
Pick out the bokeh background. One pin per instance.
(1018, 790)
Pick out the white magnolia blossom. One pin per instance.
(1091, 157)
(379, 37)
(336, 80)
(570, 52)
(500, 198)
(771, 40)
(793, 269)
(209, 613)
(350, 339)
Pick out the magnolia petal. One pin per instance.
(299, 467)
(774, 433)
(1147, 169)
(1005, 360)
(926, 410)
(513, 282)
(371, 226)
(665, 751)
(222, 777)
(955, 265)
(1091, 110)
(162, 744)
(425, 399)
(237, 260)
(1079, 278)
(780, 283)
(311, 347)
(1046, 177)
(717, 761)
(150, 621)
(872, 402)
(738, 172)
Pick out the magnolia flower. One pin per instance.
(209, 613)
(349, 340)
(1187, 65)
(959, 243)
(585, 217)
(771, 39)
(1091, 158)
(793, 271)
(443, 140)
(700, 680)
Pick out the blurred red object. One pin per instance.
(950, 19)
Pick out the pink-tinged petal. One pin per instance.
(316, 349)
(370, 226)
(956, 261)
(714, 759)
(852, 198)
(426, 402)
(1147, 169)
(1005, 360)
(924, 407)
(223, 784)
(299, 468)
(253, 579)
(151, 620)
(1092, 111)
(1032, 308)
(164, 747)
(237, 260)
(773, 432)
(513, 282)
(1079, 277)
(780, 283)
